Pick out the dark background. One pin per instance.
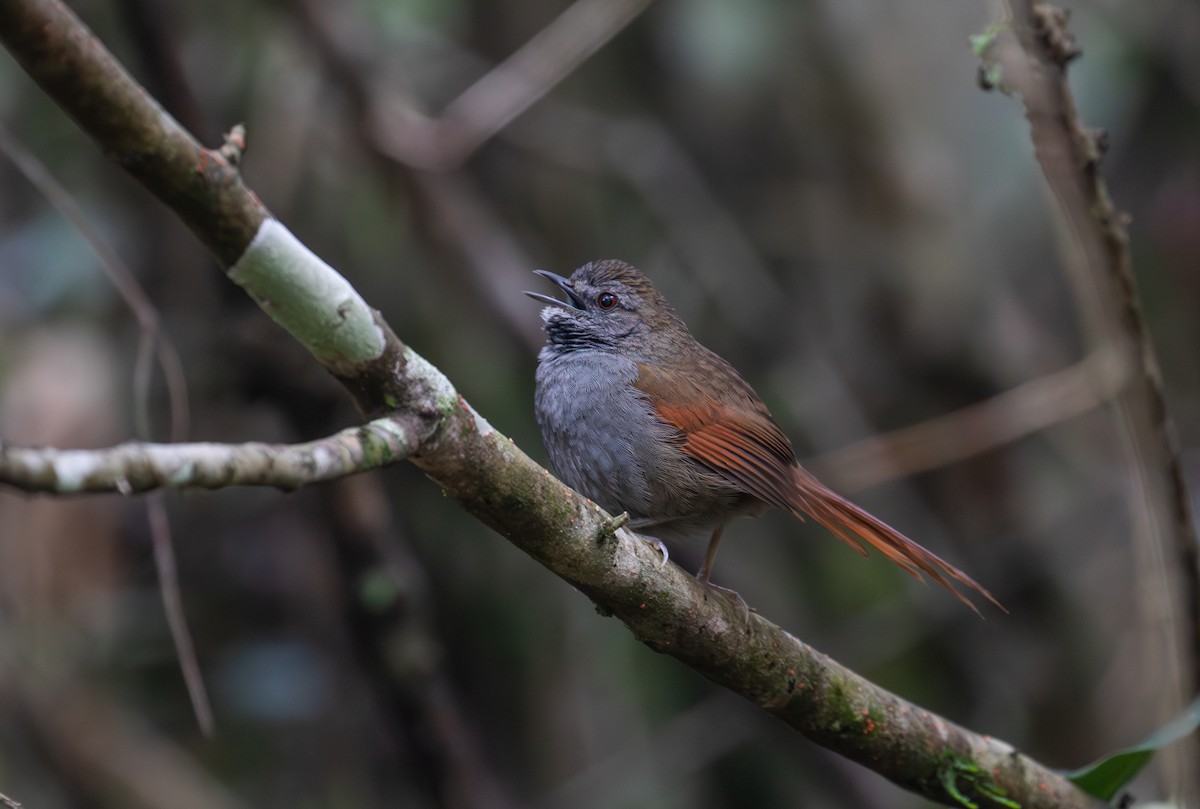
(831, 203)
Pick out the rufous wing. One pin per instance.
(743, 443)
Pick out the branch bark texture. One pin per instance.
(139, 467)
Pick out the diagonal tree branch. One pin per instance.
(663, 606)
(1026, 409)
(506, 91)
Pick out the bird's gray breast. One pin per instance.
(595, 424)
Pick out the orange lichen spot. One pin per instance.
(203, 164)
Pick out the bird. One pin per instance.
(642, 419)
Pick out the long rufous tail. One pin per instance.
(852, 525)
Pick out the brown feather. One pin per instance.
(848, 522)
(748, 447)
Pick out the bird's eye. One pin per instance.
(606, 300)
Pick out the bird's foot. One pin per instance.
(659, 546)
(732, 596)
(637, 525)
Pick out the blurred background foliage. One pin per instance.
(828, 199)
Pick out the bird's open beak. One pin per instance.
(564, 284)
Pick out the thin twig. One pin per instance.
(641, 152)
(152, 341)
(977, 428)
(462, 222)
(119, 275)
(168, 581)
(506, 91)
(177, 398)
(152, 344)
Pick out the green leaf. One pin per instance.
(955, 768)
(1104, 777)
(980, 43)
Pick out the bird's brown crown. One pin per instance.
(611, 270)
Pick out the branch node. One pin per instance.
(1095, 146)
(610, 528)
(1050, 25)
(235, 145)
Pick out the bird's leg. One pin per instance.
(710, 556)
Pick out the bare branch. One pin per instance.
(139, 467)
(181, 636)
(1024, 410)
(75, 69)
(1096, 248)
(487, 106)
(152, 343)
